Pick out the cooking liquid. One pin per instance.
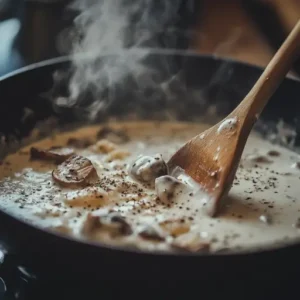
(263, 205)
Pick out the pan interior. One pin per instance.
(188, 98)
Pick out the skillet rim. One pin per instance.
(156, 51)
(121, 249)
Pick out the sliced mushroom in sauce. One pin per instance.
(56, 154)
(90, 224)
(112, 223)
(175, 227)
(147, 168)
(75, 171)
(259, 158)
(167, 187)
(273, 153)
(190, 242)
(116, 136)
(123, 226)
(79, 143)
(150, 233)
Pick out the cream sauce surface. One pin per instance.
(263, 205)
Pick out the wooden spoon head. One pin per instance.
(211, 159)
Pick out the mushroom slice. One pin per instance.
(112, 223)
(151, 233)
(103, 146)
(167, 187)
(90, 224)
(79, 142)
(57, 154)
(75, 171)
(147, 168)
(118, 223)
(117, 155)
(114, 135)
(259, 158)
(190, 242)
(175, 227)
(273, 153)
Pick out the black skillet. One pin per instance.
(205, 82)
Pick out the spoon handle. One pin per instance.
(273, 75)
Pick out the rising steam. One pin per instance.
(103, 30)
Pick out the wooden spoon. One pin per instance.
(212, 157)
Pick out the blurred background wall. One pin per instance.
(247, 30)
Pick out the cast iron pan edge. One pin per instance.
(45, 253)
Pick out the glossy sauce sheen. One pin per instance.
(262, 209)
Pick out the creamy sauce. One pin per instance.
(141, 205)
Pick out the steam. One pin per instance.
(112, 40)
(114, 66)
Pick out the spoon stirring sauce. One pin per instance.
(212, 157)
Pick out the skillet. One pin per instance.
(207, 84)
